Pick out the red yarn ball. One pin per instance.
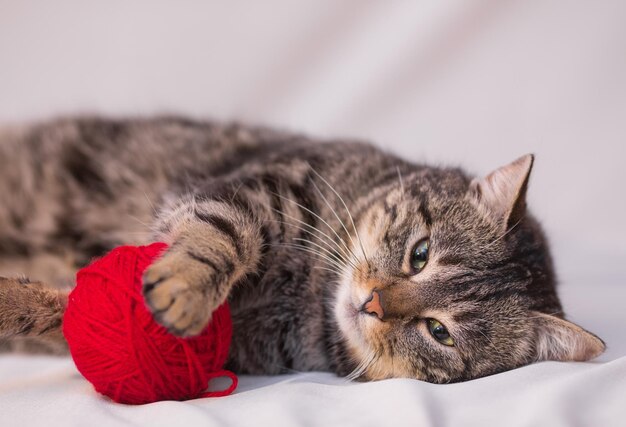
(123, 352)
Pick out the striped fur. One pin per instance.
(295, 234)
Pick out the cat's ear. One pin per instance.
(559, 339)
(503, 191)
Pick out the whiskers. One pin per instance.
(539, 316)
(321, 245)
(356, 232)
(331, 247)
(401, 181)
(326, 243)
(370, 358)
(503, 235)
(343, 225)
(330, 262)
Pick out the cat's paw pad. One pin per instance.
(174, 288)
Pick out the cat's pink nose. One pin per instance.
(373, 305)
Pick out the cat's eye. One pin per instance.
(439, 332)
(419, 255)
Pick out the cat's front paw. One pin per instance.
(179, 291)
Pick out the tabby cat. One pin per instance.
(333, 255)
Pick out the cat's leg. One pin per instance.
(49, 227)
(214, 244)
(30, 312)
(36, 205)
(32, 315)
(71, 191)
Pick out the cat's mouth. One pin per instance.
(354, 312)
(351, 312)
(347, 311)
(355, 316)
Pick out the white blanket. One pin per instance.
(474, 83)
(49, 391)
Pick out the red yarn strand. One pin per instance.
(117, 345)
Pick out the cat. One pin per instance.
(334, 255)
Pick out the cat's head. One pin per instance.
(454, 281)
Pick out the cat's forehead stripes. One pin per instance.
(463, 284)
(488, 264)
(401, 219)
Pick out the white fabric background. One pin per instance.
(476, 83)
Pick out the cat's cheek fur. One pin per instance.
(297, 203)
(358, 329)
(366, 335)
